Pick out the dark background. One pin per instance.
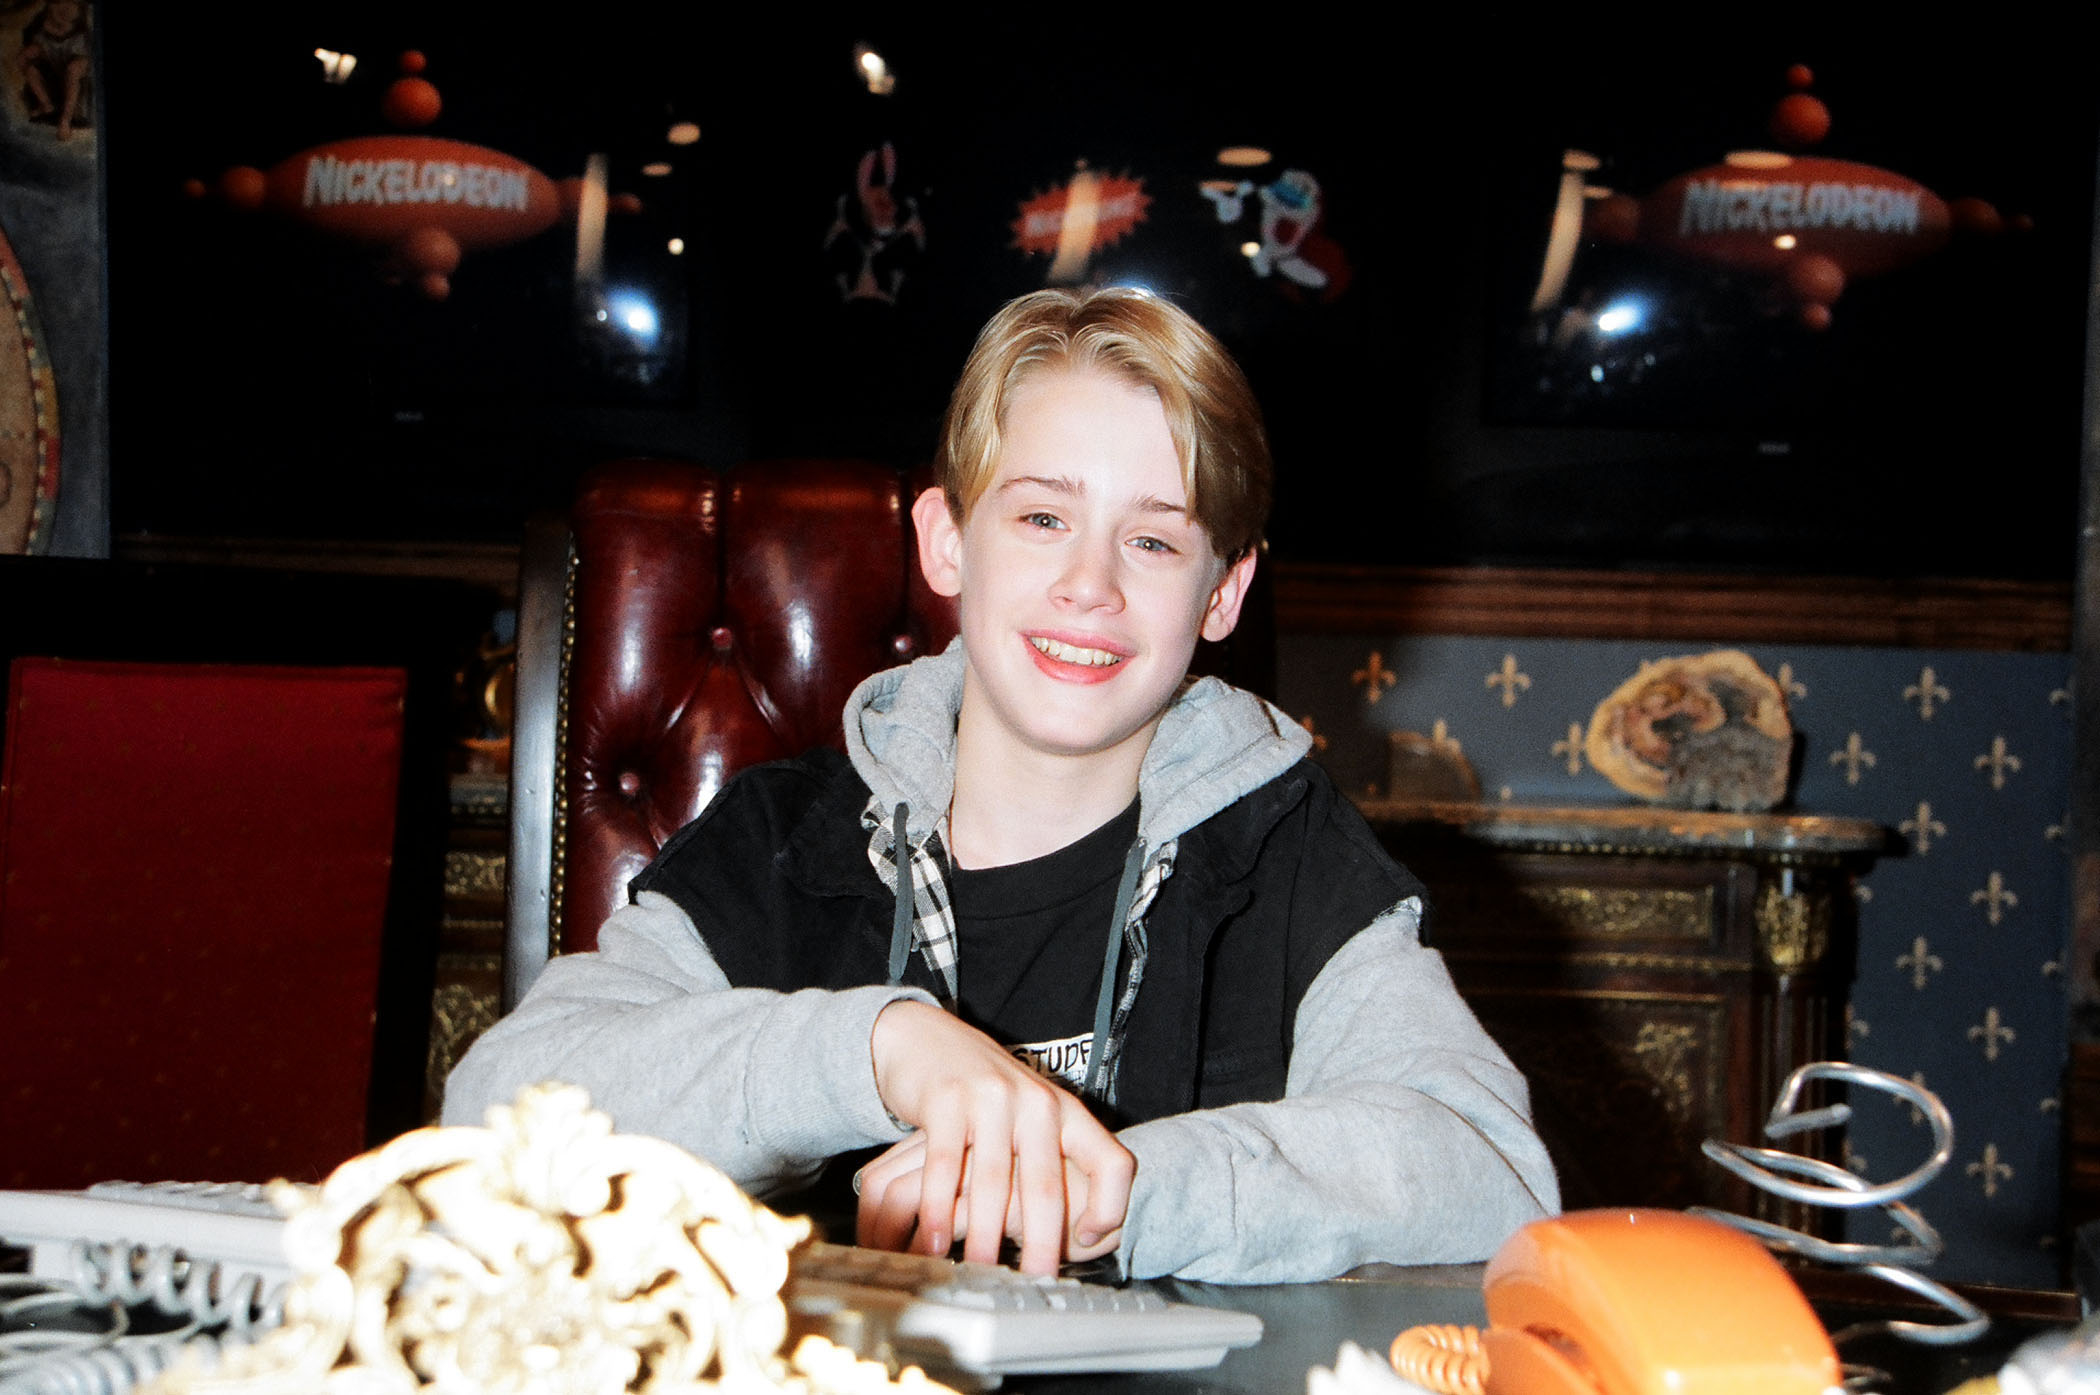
(266, 384)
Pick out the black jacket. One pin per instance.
(776, 876)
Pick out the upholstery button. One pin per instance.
(630, 783)
(901, 645)
(722, 639)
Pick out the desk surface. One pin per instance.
(1305, 1325)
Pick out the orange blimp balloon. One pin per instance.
(378, 189)
(1761, 210)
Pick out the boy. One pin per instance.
(1105, 962)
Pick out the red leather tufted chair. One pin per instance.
(688, 621)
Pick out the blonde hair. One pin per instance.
(1211, 412)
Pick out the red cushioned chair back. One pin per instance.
(715, 618)
(196, 865)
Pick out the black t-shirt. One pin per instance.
(1031, 939)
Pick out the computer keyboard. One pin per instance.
(988, 1320)
(173, 1244)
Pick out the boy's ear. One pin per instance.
(1223, 611)
(940, 542)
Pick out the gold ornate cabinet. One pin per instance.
(469, 979)
(1655, 973)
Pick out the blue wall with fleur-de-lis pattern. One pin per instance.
(1959, 983)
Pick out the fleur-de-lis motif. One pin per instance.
(1927, 693)
(1993, 1033)
(1788, 687)
(1571, 747)
(2061, 697)
(1989, 1170)
(1999, 762)
(1857, 1028)
(1917, 1115)
(1854, 1161)
(1509, 679)
(1319, 741)
(1855, 757)
(1921, 961)
(1374, 677)
(1923, 828)
(1440, 737)
(1994, 898)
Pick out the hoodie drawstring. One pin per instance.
(900, 924)
(1104, 1004)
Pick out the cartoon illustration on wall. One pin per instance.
(1292, 243)
(1808, 223)
(422, 202)
(54, 65)
(876, 234)
(1070, 223)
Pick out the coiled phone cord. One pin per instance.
(51, 1345)
(1442, 1356)
(176, 1286)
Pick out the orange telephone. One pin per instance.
(1630, 1302)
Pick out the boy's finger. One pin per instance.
(889, 1210)
(1110, 1171)
(940, 1189)
(987, 1182)
(887, 1177)
(1039, 1185)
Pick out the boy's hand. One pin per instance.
(996, 1145)
(889, 1188)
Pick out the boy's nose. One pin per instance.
(1090, 581)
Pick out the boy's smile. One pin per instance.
(1083, 579)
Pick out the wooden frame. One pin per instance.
(1736, 608)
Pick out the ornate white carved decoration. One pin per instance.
(543, 1253)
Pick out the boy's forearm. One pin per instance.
(1405, 1137)
(764, 1085)
(1302, 1190)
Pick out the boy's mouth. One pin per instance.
(1073, 653)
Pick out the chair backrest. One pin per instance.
(221, 863)
(686, 622)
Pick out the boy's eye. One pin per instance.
(1159, 545)
(1040, 519)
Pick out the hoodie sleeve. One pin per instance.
(1404, 1136)
(764, 1085)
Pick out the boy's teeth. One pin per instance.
(1073, 654)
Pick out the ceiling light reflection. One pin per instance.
(874, 71)
(1621, 316)
(635, 313)
(336, 67)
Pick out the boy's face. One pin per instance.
(1083, 582)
